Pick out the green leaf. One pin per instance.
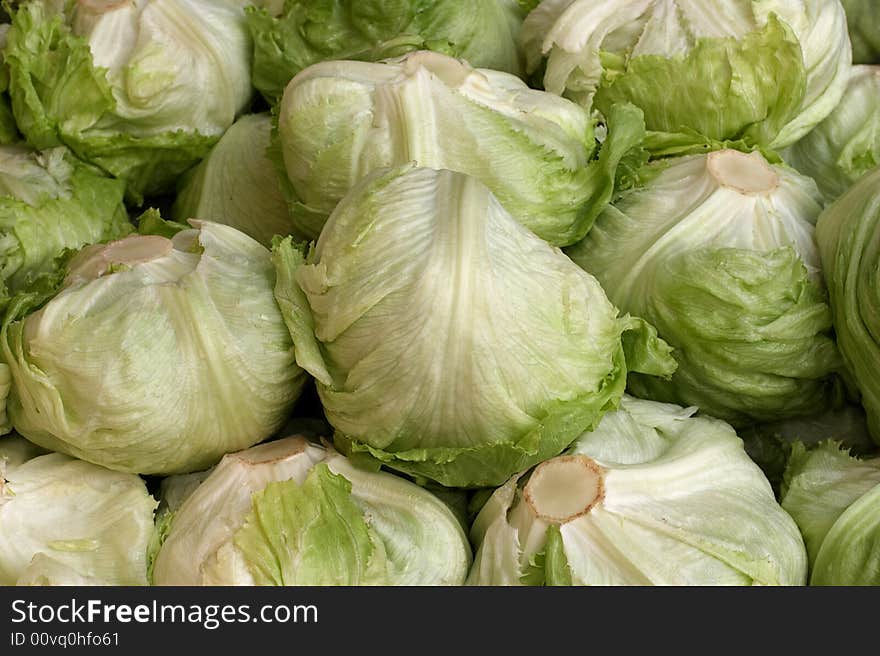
(850, 553)
(150, 166)
(54, 85)
(721, 89)
(50, 202)
(160, 534)
(770, 444)
(864, 30)
(492, 464)
(751, 333)
(619, 157)
(848, 233)
(309, 534)
(819, 485)
(534, 573)
(645, 352)
(294, 306)
(690, 142)
(555, 561)
(484, 33)
(846, 145)
(151, 222)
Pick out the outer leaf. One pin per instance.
(765, 71)
(556, 562)
(730, 88)
(294, 305)
(820, 484)
(846, 145)
(820, 27)
(770, 444)
(497, 560)
(835, 499)
(306, 33)
(751, 332)
(850, 553)
(152, 223)
(164, 518)
(87, 520)
(49, 202)
(422, 538)
(645, 352)
(864, 30)
(848, 233)
(236, 184)
(311, 534)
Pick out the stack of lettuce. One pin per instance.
(434, 292)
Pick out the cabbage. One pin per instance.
(156, 355)
(652, 496)
(237, 184)
(846, 145)
(770, 444)
(835, 500)
(718, 252)
(448, 341)
(68, 522)
(339, 121)
(50, 202)
(863, 21)
(8, 128)
(142, 89)
(292, 513)
(306, 32)
(848, 233)
(761, 71)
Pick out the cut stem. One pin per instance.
(747, 174)
(452, 71)
(93, 262)
(102, 6)
(272, 452)
(564, 488)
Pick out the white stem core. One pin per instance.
(564, 488)
(275, 451)
(452, 71)
(102, 6)
(747, 174)
(93, 262)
